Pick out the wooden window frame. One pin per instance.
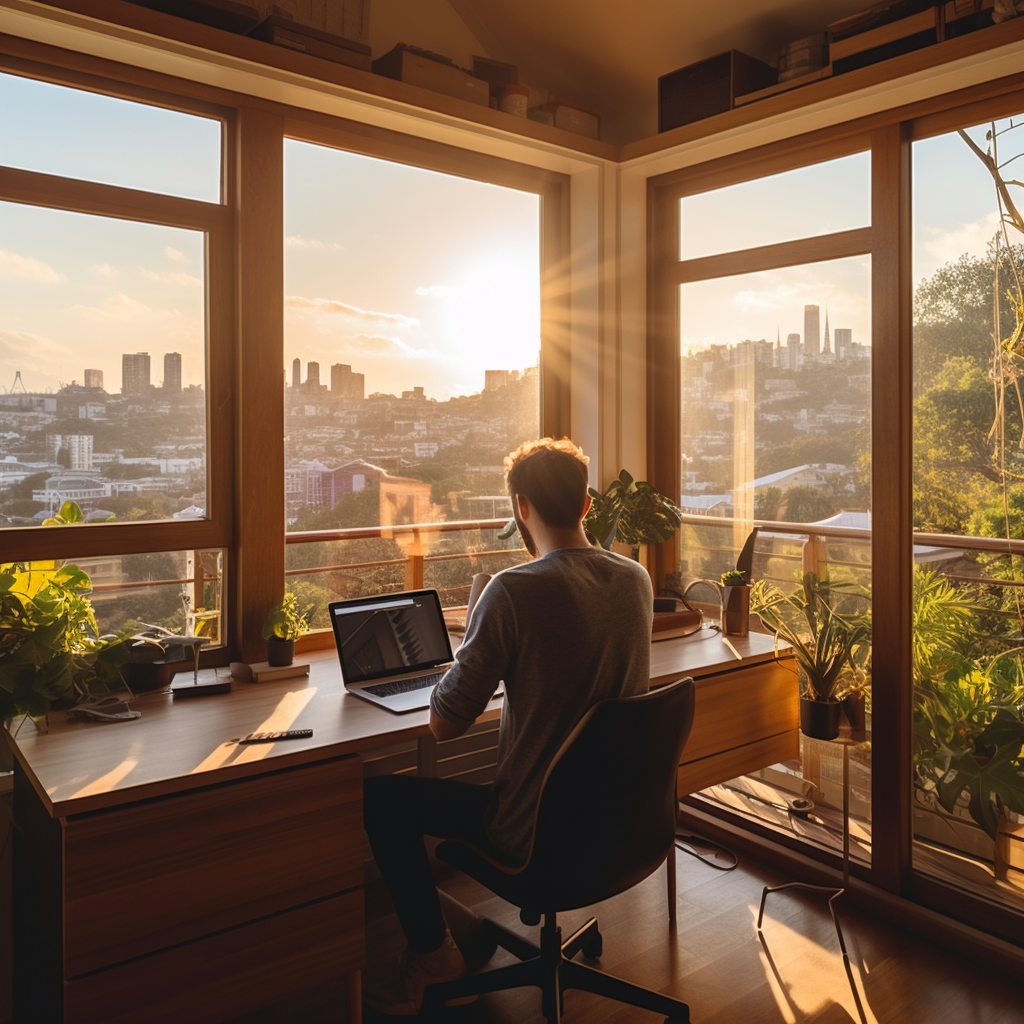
(889, 242)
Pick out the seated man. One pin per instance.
(568, 629)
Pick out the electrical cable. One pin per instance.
(682, 839)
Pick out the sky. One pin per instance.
(413, 278)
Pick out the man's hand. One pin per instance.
(445, 730)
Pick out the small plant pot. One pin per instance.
(280, 652)
(819, 719)
(736, 611)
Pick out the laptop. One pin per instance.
(393, 648)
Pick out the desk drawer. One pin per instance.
(147, 876)
(227, 975)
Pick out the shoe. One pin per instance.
(402, 996)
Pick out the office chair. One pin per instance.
(605, 820)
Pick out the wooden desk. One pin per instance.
(165, 873)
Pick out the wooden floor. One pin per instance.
(714, 960)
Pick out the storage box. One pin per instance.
(431, 71)
(569, 117)
(888, 40)
(295, 36)
(962, 16)
(709, 87)
(223, 14)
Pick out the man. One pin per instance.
(568, 629)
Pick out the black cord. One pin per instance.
(682, 839)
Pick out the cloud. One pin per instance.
(104, 271)
(33, 347)
(752, 300)
(175, 256)
(331, 307)
(178, 277)
(298, 242)
(13, 265)
(436, 290)
(116, 307)
(942, 247)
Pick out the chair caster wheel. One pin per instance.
(593, 947)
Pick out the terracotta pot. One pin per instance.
(819, 719)
(280, 652)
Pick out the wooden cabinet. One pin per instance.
(197, 906)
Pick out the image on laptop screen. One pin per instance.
(389, 635)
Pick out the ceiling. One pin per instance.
(608, 54)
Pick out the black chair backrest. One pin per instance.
(606, 815)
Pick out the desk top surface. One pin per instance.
(180, 744)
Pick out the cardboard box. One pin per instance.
(406, 64)
(294, 36)
(568, 117)
(709, 87)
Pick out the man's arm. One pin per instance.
(443, 729)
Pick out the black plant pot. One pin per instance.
(819, 719)
(280, 652)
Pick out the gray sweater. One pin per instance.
(563, 632)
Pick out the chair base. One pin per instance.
(550, 968)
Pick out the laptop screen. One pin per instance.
(389, 634)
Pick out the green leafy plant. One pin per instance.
(286, 621)
(734, 578)
(827, 624)
(50, 646)
(633, 512)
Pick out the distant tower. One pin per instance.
(312, 375)
(134, 373)
(94, 379)
(494, 379)
(844, 339)
(826, 345)
(296, 372)
(812, 331)
(793, 352)
(172, 371)
(341, 380)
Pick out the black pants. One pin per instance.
(398, 811)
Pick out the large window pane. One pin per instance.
(412, 336)
(103, 366)
(969, 486)
(803, 203)
(79, 134)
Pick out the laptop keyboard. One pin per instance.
(404, 685)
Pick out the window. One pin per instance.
(412, 345)
(114, 247)
(765, 323)
(968, 784)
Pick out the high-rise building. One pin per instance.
(358, 386)
(844, 339)
(296, 372)
(94, 378)
(826, 345)
(77, 449)
(312, 375)
(494, 379)
(341, 380)
(134, 373)
(812, 331)
(792, 351)
(172, 371)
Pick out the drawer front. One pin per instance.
(751, 757)
(742, 706)
(144, 877)
(229, 974)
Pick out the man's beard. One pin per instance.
(523, 531)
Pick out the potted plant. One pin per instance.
(828, 626)
(735, 603)
(633, 512)
(285, 623)
(51, 650)
(155, 654)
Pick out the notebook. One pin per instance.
(393, 648)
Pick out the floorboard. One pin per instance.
(714, 959)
